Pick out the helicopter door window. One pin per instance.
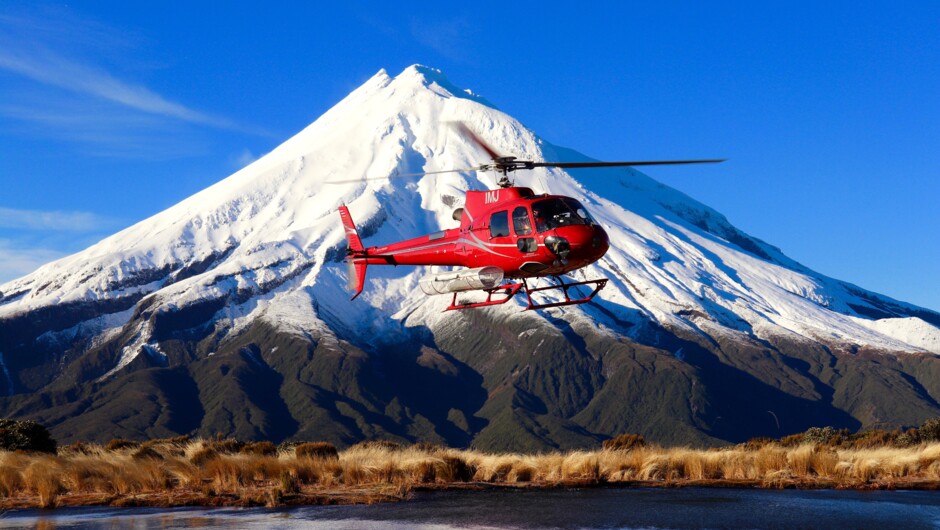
(520, 221)
(499, 224)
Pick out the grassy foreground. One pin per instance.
(217, 473)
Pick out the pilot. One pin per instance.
(540, 224)
(523, 226)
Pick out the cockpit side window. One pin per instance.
(553, 213)
(580, 210)
(499, 224)
(520, 221)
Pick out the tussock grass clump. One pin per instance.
(146, 451)
(81, 448)
(202, 455)
(624, 442)
(755, 444)
(117, 444)
(226, 446)
(453, 468)
(259, 448)
(428, 447)
(323, 450)
(42, 477)
(11, 473)
(387, 445)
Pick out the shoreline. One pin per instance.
(381, 494)
(225, 473)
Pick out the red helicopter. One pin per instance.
(509, 233)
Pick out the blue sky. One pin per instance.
(830, 114)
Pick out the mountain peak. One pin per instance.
(434, 79)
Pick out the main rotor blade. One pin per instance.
(614, 164)
(406, 175)
(464, 130)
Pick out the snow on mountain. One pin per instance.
(266, 242)
(911, 330)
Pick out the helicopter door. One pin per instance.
(499, 225)
(522, 226)
(499, 230)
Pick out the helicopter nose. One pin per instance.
(584, 241)
(600, 240)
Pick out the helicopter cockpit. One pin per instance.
(556, 212)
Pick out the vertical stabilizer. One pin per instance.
(352, 236)
(357, 267)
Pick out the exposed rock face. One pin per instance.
(227, 313)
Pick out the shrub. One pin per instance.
(625, 442)
(908, 438)
(323, 450)
(824, 436)
(25, 435)
(930, 431)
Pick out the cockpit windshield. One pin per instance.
(552, 213)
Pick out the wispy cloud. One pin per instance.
(449, 38)
(243, 159)
(53, 220)
(16, 261)
(53, 69)
(63, 80)
(103, 130)
(31, 238)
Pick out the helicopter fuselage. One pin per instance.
(523, 234)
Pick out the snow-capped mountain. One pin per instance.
(228, 312)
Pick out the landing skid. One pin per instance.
(507, 291)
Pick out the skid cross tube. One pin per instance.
(509, 290)
(598, 285)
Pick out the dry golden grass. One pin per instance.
(177, 472)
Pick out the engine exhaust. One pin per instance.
(463, 280)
